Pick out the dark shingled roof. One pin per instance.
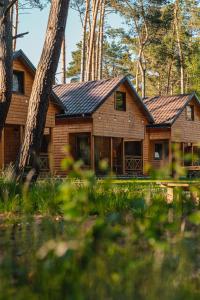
(166, 109)
(83, 99)
(22, 56)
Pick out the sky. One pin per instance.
(35, 22)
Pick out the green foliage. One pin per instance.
(111, 240)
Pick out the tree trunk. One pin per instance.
(169, 77)
(83, 50)
(101, 38)
(180, 50)
(42, 87)
(143, 74)
(91, 41)
(94, 50)
(6, 61)
(137, 78)
(63, 61)
(16, 25)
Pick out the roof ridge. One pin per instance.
(90, 81)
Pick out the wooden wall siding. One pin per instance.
(154, 163)
(112, 123)
(187, 131)
(146, 145)
(19, 105)
(11, 144)
(61, 139)
(159, 134)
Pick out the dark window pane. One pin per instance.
(158, 153)
(120, 101)
(190, 113)
(18, 82)
(83, 148)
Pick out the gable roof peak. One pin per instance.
(84, 98)
(166, 109)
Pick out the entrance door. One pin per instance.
(117, 147)
(133, 157)
(80, 144)
(11, 143)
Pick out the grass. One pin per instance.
(113, 239)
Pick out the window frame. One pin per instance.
(191, 117)
(21, 91)
(124, 100)
(162, 148)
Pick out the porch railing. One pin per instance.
(44, 162)
(133, 164)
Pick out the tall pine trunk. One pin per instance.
(180, 50)
(91, 40)
(83, 50)
(101, 37)
(42, 87)
(63, 61)
(16, 25)
(6, 60)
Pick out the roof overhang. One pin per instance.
(159, 126)
(192, 96)
(26, 61)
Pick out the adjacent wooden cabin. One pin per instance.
(175, 131)
(103, 120)
(12, 135)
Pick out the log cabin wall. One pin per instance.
(61, 138)
(19, 105)
(129, 124)
(16, 119)
(187, 131)
(157, 135)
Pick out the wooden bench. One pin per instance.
(184, 186)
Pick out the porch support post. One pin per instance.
(170, 153)
(192, 155)
(123, 157)
(50, 151)
(2, 158)
(92, 152)
(111, 154)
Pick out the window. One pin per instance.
(158, 153)
(120, 101)
(83, 148)
(189, 113)
(18, 82)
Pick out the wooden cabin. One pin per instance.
(176, 128)
(103, 120)
(12, 135)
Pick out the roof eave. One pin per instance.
(73, 116)
(160, 125)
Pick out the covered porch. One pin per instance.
(190, 156)
(11, 140)
(123, 157)
(166, 153)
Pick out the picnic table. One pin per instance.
(184, 186)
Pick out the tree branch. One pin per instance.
(10, 5)
(20, 35)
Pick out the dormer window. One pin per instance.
(120, 101)
(190, 113)
(18, 82)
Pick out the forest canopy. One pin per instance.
(157, 44)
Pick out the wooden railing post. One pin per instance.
(92, 148)
(111, 154)
(123, 156)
